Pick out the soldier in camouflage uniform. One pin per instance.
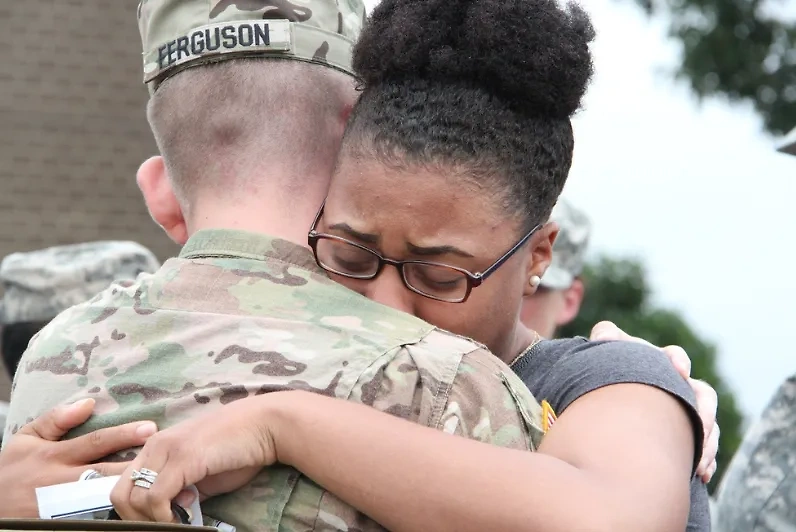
(239, 313)
(758, 492)
(38, 285)
(558, 298)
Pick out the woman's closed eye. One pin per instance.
(438, 278)
(352, 260)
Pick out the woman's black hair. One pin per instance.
(485, 87)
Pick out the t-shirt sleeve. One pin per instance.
(699, 519)
(561, 371)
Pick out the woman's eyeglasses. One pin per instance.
(441, 282)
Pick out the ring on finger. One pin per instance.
(141, 483)
(144, 476)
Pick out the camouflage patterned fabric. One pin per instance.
(177, 34)
(40, 284)
(569, 250)
(758, 493)
(239, 314)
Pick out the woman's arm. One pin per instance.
(619, 459)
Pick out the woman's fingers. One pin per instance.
(146, 488)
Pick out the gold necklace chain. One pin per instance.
(536, 340)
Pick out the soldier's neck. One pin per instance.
(289, 222)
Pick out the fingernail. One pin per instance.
(185, 498)
(77, 405)
(146, 429)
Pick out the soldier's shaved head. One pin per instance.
(240, 127)
(249, 101)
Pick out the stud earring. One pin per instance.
(535, 281)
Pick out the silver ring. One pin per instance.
(146, 475)
(149, 473)
(143, 484)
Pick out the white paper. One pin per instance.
(70, 500)
(83, 498)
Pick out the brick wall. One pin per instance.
(72, 126)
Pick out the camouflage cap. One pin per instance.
(569, 250)
(177, 34)
(41, 284)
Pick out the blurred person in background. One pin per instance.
(39, 285)
(758, 491)
(557, 300)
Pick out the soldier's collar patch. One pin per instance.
(548, 416)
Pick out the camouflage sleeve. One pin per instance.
(758, 493)
(33, 394)
(488, 403)
(446, 383)
(475, 395)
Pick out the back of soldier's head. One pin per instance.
(244, 89)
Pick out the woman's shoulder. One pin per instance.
(562, 370)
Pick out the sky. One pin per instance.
(697, 192)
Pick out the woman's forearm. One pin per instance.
(409, 477)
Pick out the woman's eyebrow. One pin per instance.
(350, 231)
(437, 250)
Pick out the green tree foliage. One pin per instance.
(617, 290)
(744, 50)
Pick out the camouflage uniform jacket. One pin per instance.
(239, 314)
(758, 492)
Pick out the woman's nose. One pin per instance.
(389, 289)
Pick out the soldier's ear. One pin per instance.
(541, 250)
(161, 200)
(573, 297)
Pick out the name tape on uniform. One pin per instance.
(220, 38)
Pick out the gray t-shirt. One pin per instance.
(561, 371)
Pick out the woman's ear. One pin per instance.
(541, 250)
(160, 199)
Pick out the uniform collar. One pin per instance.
(246, 245)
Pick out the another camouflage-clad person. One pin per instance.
(38, 285)
(248, 145)
(758, 493)
(557, 300)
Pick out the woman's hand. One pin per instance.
(218, 452)
(706, 397)
(34, 456)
